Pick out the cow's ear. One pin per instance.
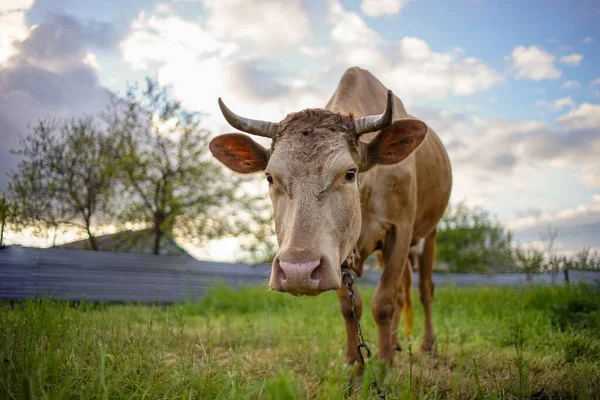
(239, 153)
(393, 144)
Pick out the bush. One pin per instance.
(470, 241)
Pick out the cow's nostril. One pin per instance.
(282, 274)
(317, 273)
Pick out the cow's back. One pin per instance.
(422, 181)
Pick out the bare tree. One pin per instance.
(166, 174)
(65, 178)
(554, 261)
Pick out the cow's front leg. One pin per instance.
(426, 291)
(404, 306)
(352, 335)
(385, 299)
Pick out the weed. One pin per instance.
(252, 344)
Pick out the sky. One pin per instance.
(512, 88)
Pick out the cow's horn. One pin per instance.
(374, 123)
(253, 126)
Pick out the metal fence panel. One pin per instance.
(118, 277)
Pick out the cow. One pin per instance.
(357, 177)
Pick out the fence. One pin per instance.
(118, 277)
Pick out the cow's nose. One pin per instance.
(300, 277)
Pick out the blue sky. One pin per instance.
(511, 87)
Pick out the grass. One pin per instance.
(539, 342)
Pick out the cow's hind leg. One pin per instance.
(352, 355)
(426, 289)
(385, 299)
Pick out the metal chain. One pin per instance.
(348, 281)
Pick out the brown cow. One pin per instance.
(347, 182)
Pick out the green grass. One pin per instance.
(540, 342)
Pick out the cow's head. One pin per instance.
(312, 168)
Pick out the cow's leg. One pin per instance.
(426, 289)
(407, 308)
(404, 305)
(352, 355)
(385, 299)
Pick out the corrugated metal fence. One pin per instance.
(101, 276)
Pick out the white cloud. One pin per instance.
(586, 117)
(160, 38)
(201, 67)
(269, 25)
(376, 8)
(588, 40)
(349, 28)
(532, 63)
(572, 59)
(556, 105)
(14, 25)
(583, 214)
(589, 175)
(90, 60)
(432, 74)
(571, 85)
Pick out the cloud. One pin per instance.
(14, 25)
(571, 85)
(200, 67)
(532, 63)
(583, 217)
(584, 118)
(588, 40)
(433, 75)
(589, 176)
(50, 74)
(479, 148)
(556, 105)
(572, 59)
(377, 8)
(269, 25)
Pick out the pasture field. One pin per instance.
(537, 342)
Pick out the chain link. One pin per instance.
(348, 281)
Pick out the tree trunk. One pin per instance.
(91, 238)
(2, 232)
(566, 275)
(54, 236)
(92, 242)
(157, 236)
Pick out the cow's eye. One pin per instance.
(269, 178)
(350, 175)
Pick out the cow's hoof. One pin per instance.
(430, 347)
(357, 366)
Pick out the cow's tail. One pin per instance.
(408, 310)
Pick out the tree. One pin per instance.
(554, 263)
(166, 173)
(585, 259)
(530, 261)
(470, 241)
(8, 215)
(65, 177)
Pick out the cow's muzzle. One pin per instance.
(303, 277)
